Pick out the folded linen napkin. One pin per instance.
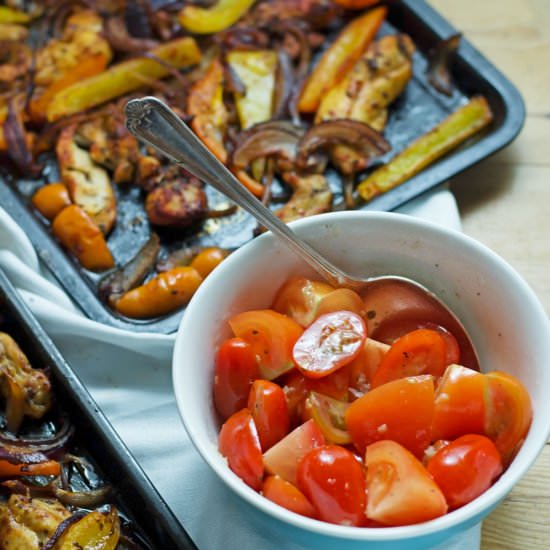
(129, 376)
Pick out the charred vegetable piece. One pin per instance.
(439, 72)
(161, 295)
(50, 199)
(27, 391)
(10, 15)
(81, 236)
(131, 274)
(99, 530)
(176, 203)
(123, 77)
(339, 58)
(89, 185)
(448, 134)
(217, 18)
(28, 523)
(311, 196)
(13, 32)
(256, 70)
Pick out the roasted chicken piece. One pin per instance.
(81, 39)
(27, 391)
(311, 195)
(27, 523)
(374, 82)
(89, 185)
(178, 201)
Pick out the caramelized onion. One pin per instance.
(357, 135)
(83, 499)
(439, 73)
(120, 39)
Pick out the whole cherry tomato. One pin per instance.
(235, 369)
(401, 410)
(334, 482)
(330, 342)
(421, 351)
(288, 496)
(465, 468)
(239, 443)
(400, 489)
(267, 403)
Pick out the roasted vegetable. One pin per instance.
(81, 236)
(207, 259)
(89, 185)
(97, 530)
(339, 58)
(50, 199)
(27, 391)
(9, 15)
(439, 70)
(13, 32)
(124, 77)
(161, 295)
(217, 18)
(448, 134)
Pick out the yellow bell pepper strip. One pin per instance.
(340, 57)
(448, 134)
(256, 70)
(163, 294)
(215, 19)
(99, 529)
(90, 66)
(81, 236)
(9, 15)
(122, 78)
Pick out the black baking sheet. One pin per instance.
(419, 109)
(133, 492)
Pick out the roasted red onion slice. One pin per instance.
(439, 69)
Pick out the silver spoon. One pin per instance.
(153, 122)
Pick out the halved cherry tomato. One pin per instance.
(267, 403)
(283, 458)
(395, 308)
(330, 342)
(401, 410)
(234, 371)
(239, 442)
(334, 482)
(330, 416)
(400, 489)
(288, 496)
(465, 468)
(453, 349)
(364, 366)
(421, 351)
(272, 337)
(460, 399)
(508, 414)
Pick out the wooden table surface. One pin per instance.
(505, 203)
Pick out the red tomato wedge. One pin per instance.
(288, 496)
(465, 468)
(400, 489)
(401, 410)
(329, 343)
(509, 413)
(272, 337)
(267, 404)
(460, 399)
(334, 482)
(234, 371)
(282, 459)
(421, 351)
(364, 366)
(238, 441)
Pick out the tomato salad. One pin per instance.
(331, 423)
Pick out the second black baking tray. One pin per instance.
(419, 109)
(132, 492)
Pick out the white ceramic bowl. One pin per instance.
(506, 322)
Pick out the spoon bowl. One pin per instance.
(153, 122)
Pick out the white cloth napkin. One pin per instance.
(129, 376)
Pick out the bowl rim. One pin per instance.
(469, 513)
